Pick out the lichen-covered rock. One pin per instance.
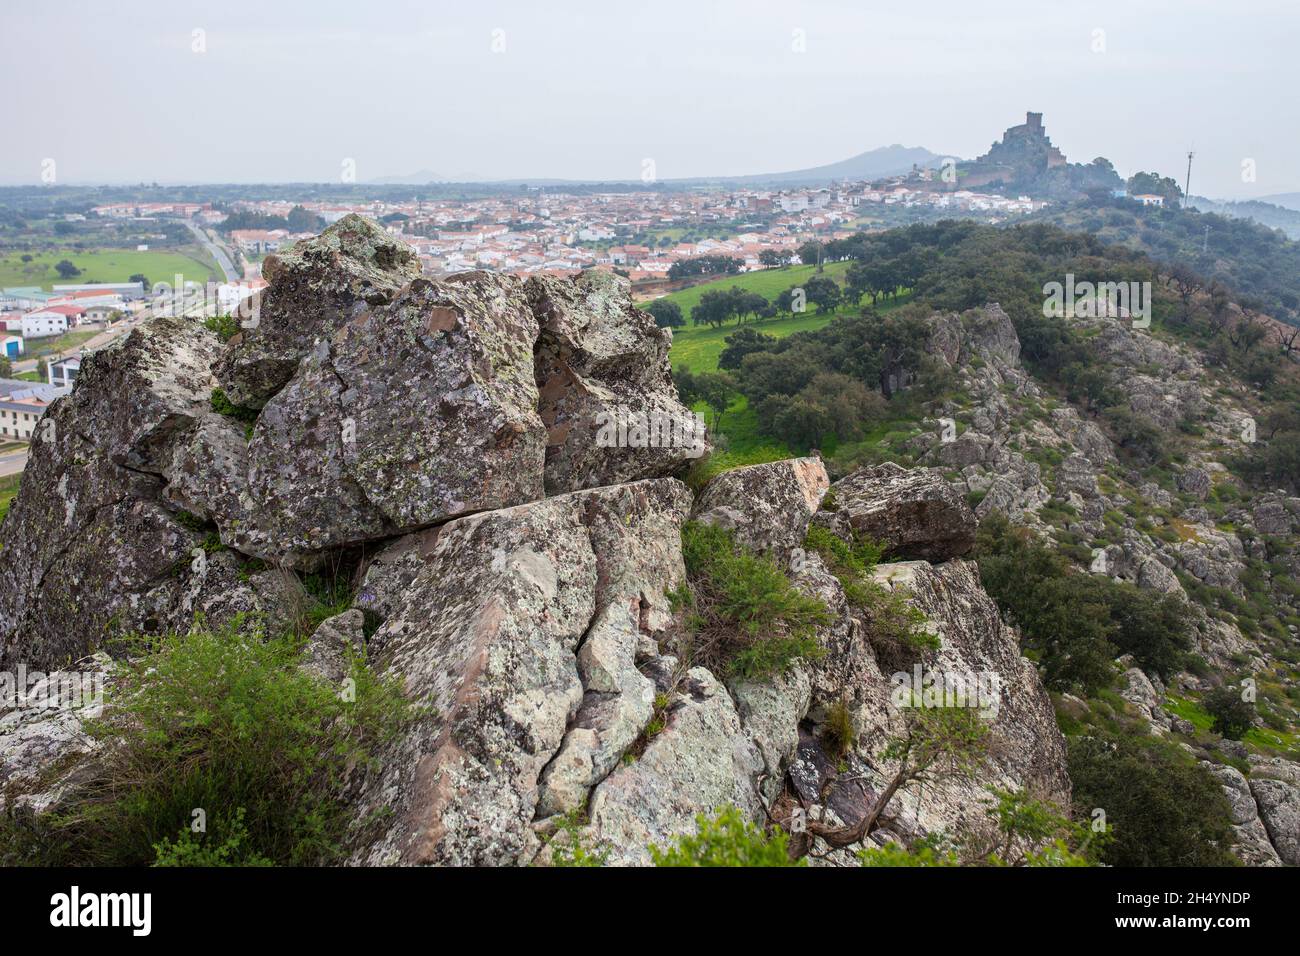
(314, 289)
(1275, 785)
(493, 636)
(45, 751)
(334, 643)
(1252, 843)
(699, 763)
(607, 398)
(96, 537)
(913, 513)
(767, 507)
(412, 413)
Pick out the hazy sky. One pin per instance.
(290, 89)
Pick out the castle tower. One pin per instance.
(1034, 121)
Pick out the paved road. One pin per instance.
(217, 252)
(12, 463)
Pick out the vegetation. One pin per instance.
(1073, 622)
(727, 839)
(1163, 809)
(218, 749)
(745, 616)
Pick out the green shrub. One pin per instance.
(226, 326)
(1233, 715)
(746, 615)
(223, 721)
(1161, 807)
(726, 840)
(224, 406)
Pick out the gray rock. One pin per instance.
(767, 507)
(914, 514)
(314, 289)
(606, 394)
(334, 643)
(493, 635)
(1252, 847)
(413, 413)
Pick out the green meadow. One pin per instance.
(106, 265)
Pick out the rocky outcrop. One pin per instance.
(1275, 785)
(409, 415)
(522, 633)
(316, 288)
(913, 514)
(606, 393)
(767, 507)
(115, 528)
(1253, 846)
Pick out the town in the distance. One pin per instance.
(81, 265)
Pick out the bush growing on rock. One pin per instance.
(745, 614)
(727, 839)
(223, 721)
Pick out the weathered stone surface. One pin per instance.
(314, 289)
(767, 507)
(601, 361)
(333, 644)
(44, 748)
(700, 762)
(1275, 785)
(413, 413)
(914, 514)
(493, 634)
(94, 536)
(1252, 843)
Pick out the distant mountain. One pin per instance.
(1269, 213)
(873, 164)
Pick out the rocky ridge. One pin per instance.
(443, 438)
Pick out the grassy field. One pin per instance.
(36, 348)
(107, 265)
(8, 491)
(698, 347)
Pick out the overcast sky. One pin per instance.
(290, 89)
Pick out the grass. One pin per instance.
(8, 491)
(698, 347)
(107, 265)
(38, 348)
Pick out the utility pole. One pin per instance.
(1187, 187)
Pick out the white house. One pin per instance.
(64, 372)
(1150, 199)
(44, 323)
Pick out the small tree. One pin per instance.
(66, 269)
(1233, 714)
(666, 314)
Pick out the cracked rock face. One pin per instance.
(607, 398)
(412, 413)
(315, 288)
(913, 513)
(521, 633)
(92, 544)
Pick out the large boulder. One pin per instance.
(411, 414)
(113, 529)
(767, 507)
(912, 513)
(521, 634)
(314, 289)
(1275, 785)
(606, 392)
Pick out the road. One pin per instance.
(13, 462)
(217, 251)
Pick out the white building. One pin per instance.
(64, 372)
(44, 323)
